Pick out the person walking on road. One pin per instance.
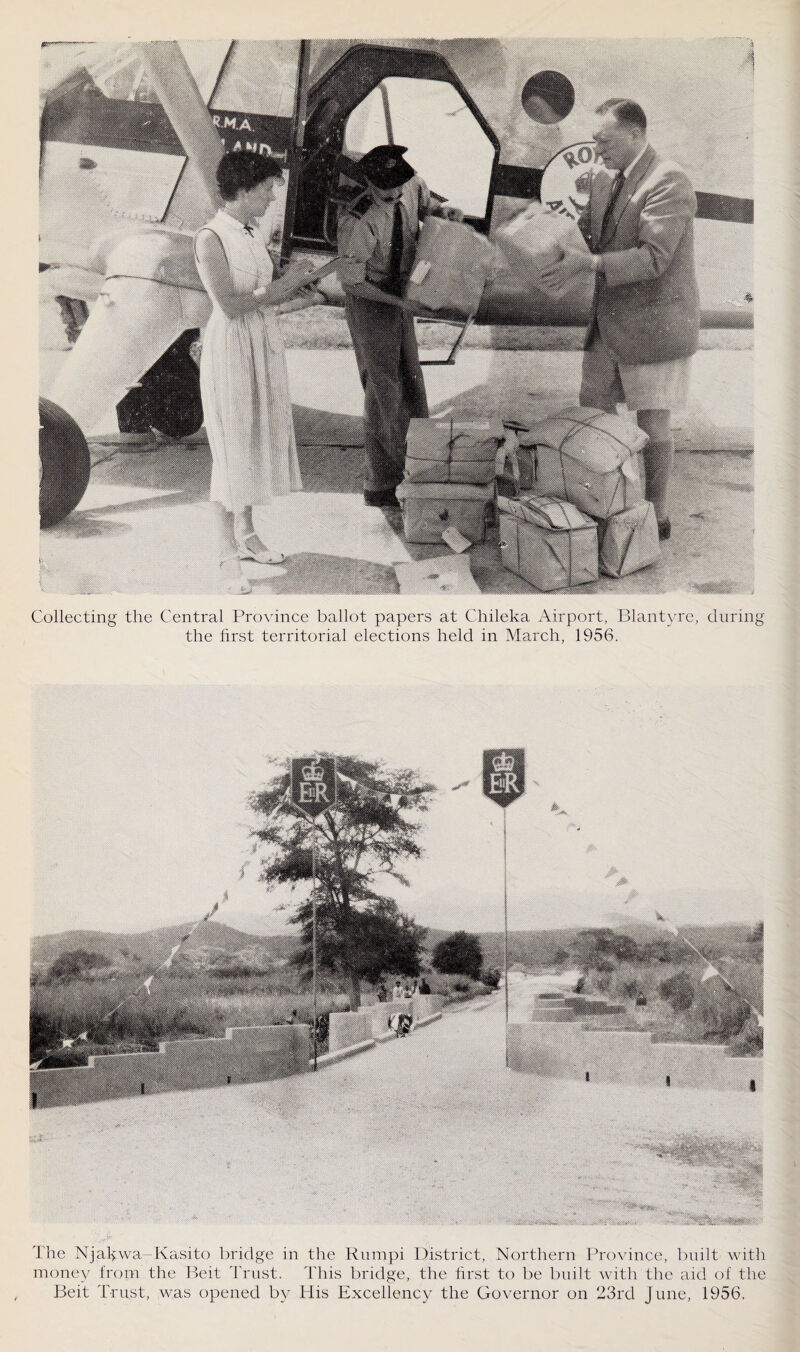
(377, 236)
(645, 321)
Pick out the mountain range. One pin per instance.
(213, 942)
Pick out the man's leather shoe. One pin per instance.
(664, 529)
(380, 497)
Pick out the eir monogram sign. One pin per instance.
(504, 774)
(313, 784)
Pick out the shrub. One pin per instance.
(491, 977)
(678, 990)
(76, 962)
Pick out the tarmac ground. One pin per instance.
(143, 525)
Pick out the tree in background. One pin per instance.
(361, 932)
(602, 948)
(459, 953)
(75, 963)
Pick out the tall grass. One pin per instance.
(178, 1006)
(681, 1007)
(183, 1004)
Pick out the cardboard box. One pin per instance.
(535, 238)
(629, 541)
(452, 265)
(548, 542)
(585, 456)
(428, 510)
(446, 451)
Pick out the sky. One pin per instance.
(141, 818)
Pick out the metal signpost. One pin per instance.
(504, 783)
(312, 789)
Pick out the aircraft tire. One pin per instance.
(174, 404)
(64, 464)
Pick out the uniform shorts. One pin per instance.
(656, 385)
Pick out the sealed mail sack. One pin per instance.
(588, 457)
(549, 543)
(428, 510)
(629, 540)
(451, 267)
(537, 237)
(453, 452)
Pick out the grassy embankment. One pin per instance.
(680, 1006)
(182, 1005)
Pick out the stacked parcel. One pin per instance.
(593, 460)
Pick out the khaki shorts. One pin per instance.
(657, 385)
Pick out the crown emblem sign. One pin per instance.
(313, 774)
(503, 762)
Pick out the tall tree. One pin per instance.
(459, 953)
(361, 932)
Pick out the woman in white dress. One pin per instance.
(243, 379)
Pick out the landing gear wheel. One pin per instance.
(64, 464)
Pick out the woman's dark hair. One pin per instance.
(244, 169)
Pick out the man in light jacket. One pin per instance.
(645, 321)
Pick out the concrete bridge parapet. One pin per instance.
(242, 1056)
(611, 1055)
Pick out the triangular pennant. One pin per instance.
(67, 1042)
(708, 973)
(759, 1019)
(83, 1037)
(462, 785)
(554, 807)
(562, 812)
(668, 923)
(216, 905)
(632, 895)
(591, 849)
(147, 983)
(36, 1064)
(622, 881)
(612, 871)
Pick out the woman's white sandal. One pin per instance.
(234, 586)
(259, 555)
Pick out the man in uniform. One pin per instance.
(638, 224)
(377, 236)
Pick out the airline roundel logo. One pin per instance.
(504, 774)
(566, 180)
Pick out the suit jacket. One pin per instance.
(646, 305)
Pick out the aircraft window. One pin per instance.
(446, 144)
(123, 77)
(548, 97)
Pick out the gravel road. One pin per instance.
(431, 1129)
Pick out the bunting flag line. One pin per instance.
(168, 961)
(640, 906)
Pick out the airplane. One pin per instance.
(131, 134)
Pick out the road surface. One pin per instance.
(431, 1129)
